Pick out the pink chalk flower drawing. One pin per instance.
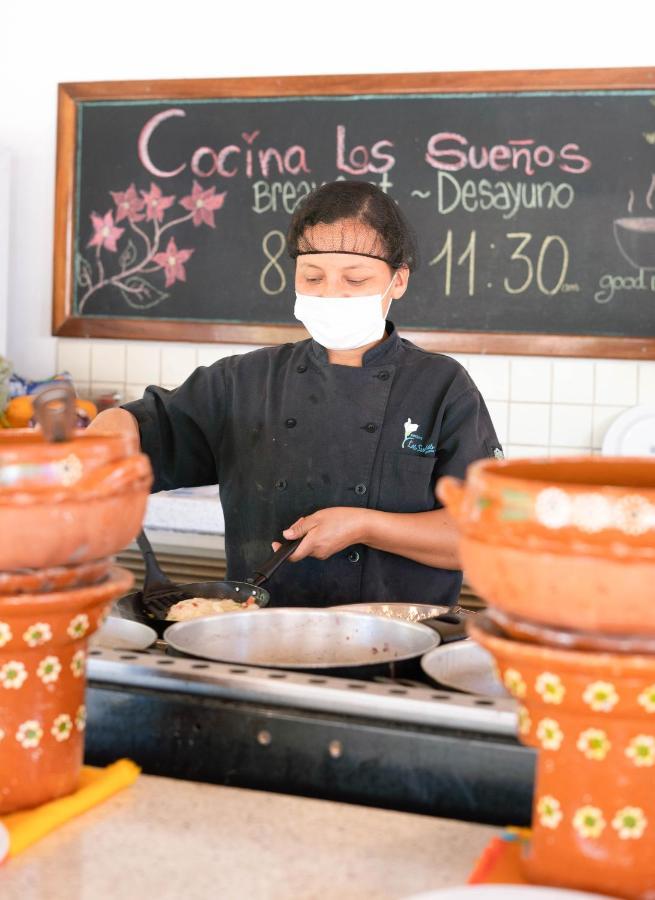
(135, 267)
(172, 261)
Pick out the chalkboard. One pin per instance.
(532, 194)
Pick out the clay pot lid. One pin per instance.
(56, 454)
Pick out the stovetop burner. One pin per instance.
(399, 692)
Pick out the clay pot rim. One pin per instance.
(542, 633)
(57, 601)
(485, 632)
(81, 574)
(13, 440)
(515, 474)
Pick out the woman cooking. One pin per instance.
(339, 439)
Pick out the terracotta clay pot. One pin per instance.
(591, 716)
(70, 502)
(563, 542)
(43, 639)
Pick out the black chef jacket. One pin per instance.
(285, 434)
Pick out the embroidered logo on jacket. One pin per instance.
(413, 440)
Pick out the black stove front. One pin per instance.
(385, 737)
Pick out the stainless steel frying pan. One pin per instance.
(304, 638)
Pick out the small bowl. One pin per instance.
(122, 634)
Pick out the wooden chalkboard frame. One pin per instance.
(65, 323)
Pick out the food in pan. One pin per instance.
(196, 607)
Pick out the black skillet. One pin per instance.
(150, 605)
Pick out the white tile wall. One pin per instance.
(539, 406)
(108, 361)
(573, 381)
(529, 423)
(647, 383)
(499, 412)
(177, 363)
(143, 363)
(75, 357)
(616, 382)
(571, 425)
(135, 391)
(491, 374)
(531, 380)
(514, 451)
(603, 416)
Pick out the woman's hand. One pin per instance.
(326, 532)
(430, 538)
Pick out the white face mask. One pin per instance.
(342, 323)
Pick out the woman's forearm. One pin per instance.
(430, 537)
(115, 420)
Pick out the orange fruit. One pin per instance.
(19, 411)
(87, 406)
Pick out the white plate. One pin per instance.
(123, 634)
(505, 892)
(632, 433)
(465, 666)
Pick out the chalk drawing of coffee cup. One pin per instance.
(635, 238)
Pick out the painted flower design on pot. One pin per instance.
(37, 634)
(553, 508)
(5, 634)
(630, 822)
(641, 750)
(514, 683)
(647, 698)
(49, 669)
(80, 718)
(77, 663)
(633, 515)
(525, 722)
(549, 811)
(591, 513)
(594, 743)
(78, 626)
(29, 734)
(70, 470)
(13, 674)
(549, 734)
(588, 821)
(550, 687)
(62, 727)
(601, 696)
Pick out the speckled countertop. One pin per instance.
(166, 840)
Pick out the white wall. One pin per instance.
(5, 214)
(80, 41)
